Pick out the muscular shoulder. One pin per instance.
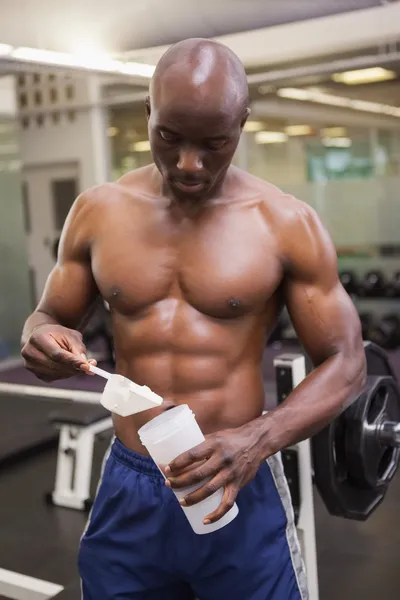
(302, 241)
(305, 246)
(134, 187)
(98, 205)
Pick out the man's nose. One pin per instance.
(190, 160)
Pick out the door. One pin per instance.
(48, 194)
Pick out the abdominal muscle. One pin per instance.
(220, 399)
(212, 365)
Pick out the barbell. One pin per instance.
(356, 456)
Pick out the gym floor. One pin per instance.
(355, 560)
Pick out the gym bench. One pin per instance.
(78, 424)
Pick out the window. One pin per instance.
(23, 100)
(70, 92)
(53, 95)
(38, 98)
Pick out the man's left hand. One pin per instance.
(228, 459)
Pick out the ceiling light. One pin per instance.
(141, 146)
(252, 126)
(294, 130)
(271, 137)
(133, 68)
(343, 142)
(372, 75)
(92, 61)
(334, 132)
(293, 93)
(312, 95)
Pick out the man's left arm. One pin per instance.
(329, 329)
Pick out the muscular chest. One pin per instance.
(222, 267)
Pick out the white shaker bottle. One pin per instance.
(167, 436)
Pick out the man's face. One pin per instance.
(193, 145)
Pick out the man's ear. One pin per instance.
(147, 107)
(245, 117)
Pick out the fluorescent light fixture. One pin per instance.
(271, 137)
(141, 146)
(92, 61)
(5, 49)
(132, 68)
(334, 132)
(313, 95)
(361, 76)
(252, 126)
(112, 131)
(343, 142)
(293, 93)
(294, 130)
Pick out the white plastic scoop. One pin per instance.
(124, 397)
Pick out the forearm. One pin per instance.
(314, 403)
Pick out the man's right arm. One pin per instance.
(51, 345)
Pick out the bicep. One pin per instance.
(322, 313)
(69, 293)
(325, 320)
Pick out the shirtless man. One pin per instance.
(196, 259)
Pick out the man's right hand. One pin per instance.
(55, 352)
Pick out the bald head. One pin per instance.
(206, 73)
(197, 108)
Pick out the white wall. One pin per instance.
(63, 136)
(64, 143)
(79, 136)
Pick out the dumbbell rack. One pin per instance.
(377, 302)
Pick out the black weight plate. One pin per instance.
(371, 463)
(341, 497)
(344, 493)
(377, 360)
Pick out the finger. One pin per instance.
(37, 361)
(49, 346)
(199, 452)
(85, 365)
(43, 366)
(228, 500)
(207, 490)
(199, 473)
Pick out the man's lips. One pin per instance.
(186, 186)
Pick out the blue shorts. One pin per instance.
(138, 543)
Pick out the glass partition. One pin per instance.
(15, 291)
